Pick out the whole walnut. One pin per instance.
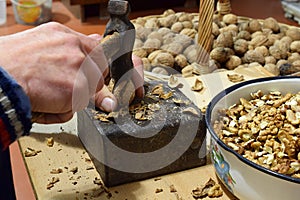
(163, 31)
(163, 59)
(177, 27)
(272, 68)
(230, 19)
(225, 39)
(155, 35)
(295, 46)
(258, 40)
(240, 46)
(189, 32)
(272, 24)
(181, 61)
(191, 53)
(232, 28)
(184, 40)
(152, 44)
(188, 24)
(140, 52)
(233, 62)
(167, 21)
(152, 24)
(221, 54)
(173, 48)
(253, 56)
(254, 25)
(142, 33)
(243, 35)
(270, 60)
(263, 50)
(215, 29)
(153, 55)
(293, 33)
(146, 64)
(294, 57)
(138, 43)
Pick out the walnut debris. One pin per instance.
(191, 111)
(50, 142)
(56, 171)
(172, 189)
(173, 82)
(74, 170)
(29, 152)
(235, 78)
(159, 190)
(159, 90)
(198, 85)
(265, 130)
(210, 189)
(52, 182)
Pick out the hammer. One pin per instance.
(120, 63)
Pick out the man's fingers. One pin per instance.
(105, 100)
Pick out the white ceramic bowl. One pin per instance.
(245, 179)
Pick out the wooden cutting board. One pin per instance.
(77, 177)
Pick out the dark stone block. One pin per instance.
(126, 150)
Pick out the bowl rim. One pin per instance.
(223, 93)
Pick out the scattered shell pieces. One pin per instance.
(235, 78)
(173, 82)
(198, 85)
(50, 142)
(159, 190)
(52, 182)
(191, 110)
(210, 189)
(29, 152)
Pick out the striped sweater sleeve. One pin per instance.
(15, 111)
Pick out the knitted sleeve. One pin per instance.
(15, 110)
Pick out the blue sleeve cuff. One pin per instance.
(14, 106)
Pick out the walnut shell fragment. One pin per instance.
(29, 152)
(198, 85)
(235, 78)
(50, 142)
(210, 189)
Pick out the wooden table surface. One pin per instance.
(34, 172)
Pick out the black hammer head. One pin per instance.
(118, 7)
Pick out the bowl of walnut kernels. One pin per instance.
(255, 138)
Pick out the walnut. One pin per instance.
(187, 24)
(184, 40)
(168, 12)
(181, 61)
(270, 60)
(293, 33)
(177, 27)
(182, 16)
(263, 50)
(153, 55)
(142, 33)
(272, 68)
(142, 53)
(272, 24)
(225, 39)
(254, 26)
(253, 56)
(294, 57)
(243, 35)
(221, 54)
(140, 20)
(151, 45)
(233, 62)
(156, 35)
(163, 59)
(167, 21)
(191, 53)
(215, 29)
(163, 31)
(295, 46)
(152, 24)
(240, 46)
(138, 43)
(258, 40)
(230, 19)
(189, 32)
(146, 64)
(173, 48)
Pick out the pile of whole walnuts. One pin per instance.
(170, 41)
